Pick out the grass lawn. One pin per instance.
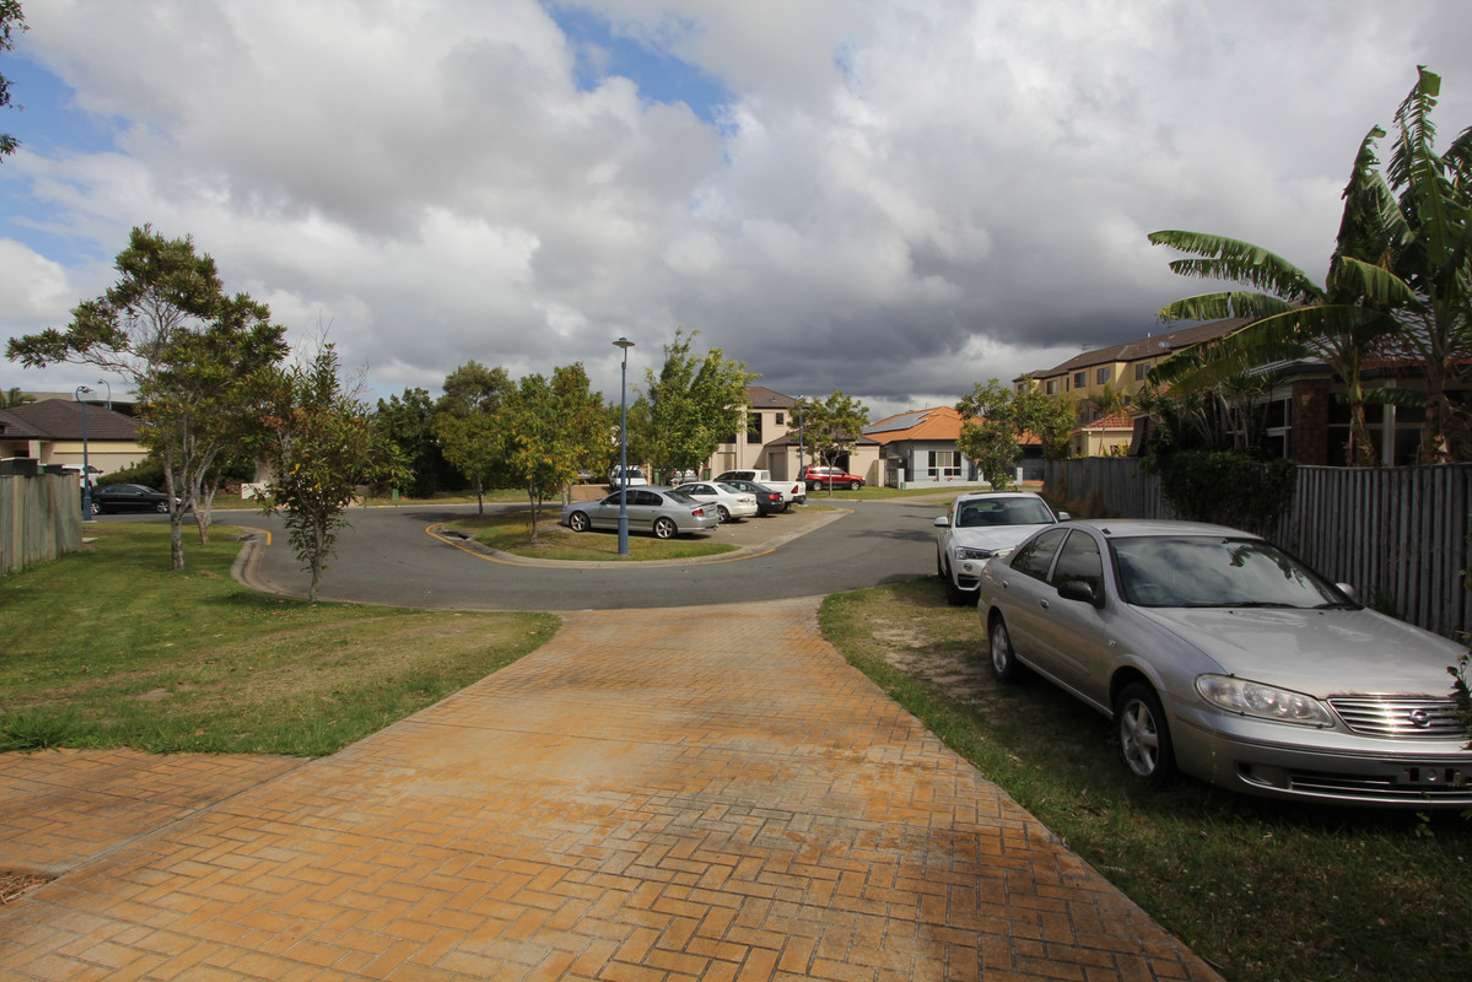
(109, 648)
(511, 532)
(1266, 890)
(869, 491)
(497, 495)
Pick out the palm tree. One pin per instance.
(14, 397)
(1289, 315)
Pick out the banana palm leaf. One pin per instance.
(1377, 283)
(1296, 333)
(1372, 225)
(1216, 306)
(1242, 262)
(1416, 167)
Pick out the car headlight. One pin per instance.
(1263, 701)
(964, 552)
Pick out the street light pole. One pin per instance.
(103, 381)
(86, 464)
(623, 448)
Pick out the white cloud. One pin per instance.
(901, 199)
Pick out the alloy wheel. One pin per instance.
(664, 529)
(1139, 736)
(578, 522)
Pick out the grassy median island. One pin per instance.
(108, 648)
(1265, 890)
(511, 531)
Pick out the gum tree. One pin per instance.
(832, 426)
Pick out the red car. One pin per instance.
(823, 477)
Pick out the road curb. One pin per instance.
(435, 530)
(245, 570)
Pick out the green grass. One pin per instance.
(496, 495)
(1264, 889)
(511, 532)
(109, 648)
(869, 492)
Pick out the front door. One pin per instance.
(1030, 597)
(1076, 631)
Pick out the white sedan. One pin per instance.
(979, 526)
(730, 503)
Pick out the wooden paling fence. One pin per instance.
(1399, 534)
(40, 519)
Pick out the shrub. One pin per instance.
(1227, 488)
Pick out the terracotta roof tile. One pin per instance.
(1120, 420)
(935, 423)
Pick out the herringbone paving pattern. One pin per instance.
(700, 793)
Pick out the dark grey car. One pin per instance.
(1216, 653)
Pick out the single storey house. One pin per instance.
(919, 448)
(50, 431)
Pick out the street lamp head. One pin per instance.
(82, 388)
(624, 343)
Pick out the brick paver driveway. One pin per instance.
(703, 792)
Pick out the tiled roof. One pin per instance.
(936, 423)
(1121, 420)
(761, 397)
(1147, 347)
(57, 419)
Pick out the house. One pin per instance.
(921, 445)
(50, 431)
(1107, 436)
(1119, 368)
(772, 440)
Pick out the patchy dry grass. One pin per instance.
(1266, 890)
(110, 648)
(510, 531)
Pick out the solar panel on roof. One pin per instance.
(902, 422)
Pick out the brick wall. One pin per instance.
(1310, 422)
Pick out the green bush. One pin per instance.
(147, 472)
(1227, 488)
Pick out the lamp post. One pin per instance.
(623, 448)
(86, 465)
(103, 381)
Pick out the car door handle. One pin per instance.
(1043, 604)
(1004, 584)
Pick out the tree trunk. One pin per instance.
(316, 562)
(1435, 448)
(176, 518)
(1360, 450)
(480, 501)
(531, 498)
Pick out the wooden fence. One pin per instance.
(1399, 534)
(40, 519)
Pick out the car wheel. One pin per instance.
(96, 507)
(723, 514)
(855, 485)
(955, 596)
(812, 486)
(1144, 735)
(1004, 660)
(162, 507)
(578, 522)
(664, 529)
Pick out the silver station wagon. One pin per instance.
(1221, 656)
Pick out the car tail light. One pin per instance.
(774, 496)
(698, 513)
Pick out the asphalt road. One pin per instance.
(386, 557)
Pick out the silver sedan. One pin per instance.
(1221, 656)
(658, 511)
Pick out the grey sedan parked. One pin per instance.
(1217, 654)
(659, 511)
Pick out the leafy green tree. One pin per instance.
(1049, 418)
(465, 419)
(1289, 315)
(554, 429)
(692, 405)
(321, 444)
(832, 426)
(10, 398)
(12, 19)
(990, 434)
(408, 421)
(167, 326)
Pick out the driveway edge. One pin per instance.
(435, 530)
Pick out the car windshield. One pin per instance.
(1002, 511)
(681, 497)
(1207, 571)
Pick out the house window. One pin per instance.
(1142, 368)
(1277, 427)
(753, 427)
(781, 419)
(1080, 380)
(1103, 375)
(944, 465)
(1051, 387)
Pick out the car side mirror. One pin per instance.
(1064, 516)
(1349, 591)
(942, 522)
(1078, 590)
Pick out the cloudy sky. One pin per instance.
(897, 198)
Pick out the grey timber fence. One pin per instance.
(1399, 534)
(40, 519)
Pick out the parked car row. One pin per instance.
(695, 506)
(1215, 654)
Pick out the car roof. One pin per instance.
(983, 495)
(1129, 528)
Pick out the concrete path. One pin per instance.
(703, 793)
